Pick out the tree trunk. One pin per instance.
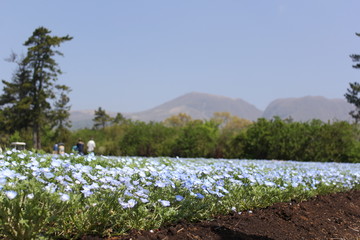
(36, 136)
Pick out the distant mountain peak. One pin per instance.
(203, 106)
(199, 106)
(309, 107)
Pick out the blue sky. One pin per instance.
(132, 55)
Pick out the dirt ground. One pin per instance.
(334, 216)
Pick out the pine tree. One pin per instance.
(101, 118)
(352, 95)
(34, 84)
(61, 113)
(16, 100)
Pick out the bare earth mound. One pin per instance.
(334, 216)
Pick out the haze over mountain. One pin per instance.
(309, 107)
(203, 106)
(199, 106)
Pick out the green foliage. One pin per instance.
(352, 95)
(29, 213)
(27, 100)
(141, 139)
(310, 141)
(101, 118)
(196, 139)
(263, 139)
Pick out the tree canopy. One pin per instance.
(28, 100)
(352, 95)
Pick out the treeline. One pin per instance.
(224, 136)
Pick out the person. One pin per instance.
(74, 148)
(55, 148)
(61, 148)
(80, 146)
(91, 145)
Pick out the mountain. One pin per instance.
(199, 106)
(309, 107)
(203, 106)
(81, 118)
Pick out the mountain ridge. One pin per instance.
(203, 106)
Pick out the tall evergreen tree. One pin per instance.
(119, 119)
(101, 118)
(16, 100)
(61, 113)
(39, 72)
(352, 95)
(356, 57)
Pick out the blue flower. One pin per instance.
(199, 195)
(179, 198)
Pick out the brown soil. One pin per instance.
(334, 216)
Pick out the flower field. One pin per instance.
(52, 196)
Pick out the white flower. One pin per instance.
(144, 200)
(64, 197)
(129, 204)
(30, 196)
(165, 203)
(11, 194)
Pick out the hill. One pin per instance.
(199, 106)
(203, 106)
(309, 107)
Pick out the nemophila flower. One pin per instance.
(8, 173)
(64, 197)
(87, 193)
(30, 196)
(199, 195)
(135, 183)
(49, 175)
(127, 193)
(22, 177)
(179, 198)
(141, 193)
(219, 194)
(40, 180)
(221, 188)
(269, 184)
(160, 184)
(11, 194)
(164, 203)
(51, 188)
(144, 200)
(56, 163)
(142, 174)
(129, 204)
